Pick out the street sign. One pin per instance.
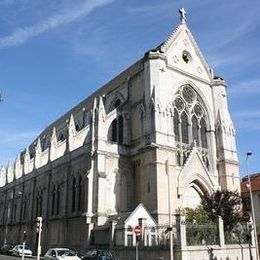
(138, 230)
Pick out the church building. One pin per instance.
(165, 118)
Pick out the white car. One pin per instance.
(18, 251)
(61, 254)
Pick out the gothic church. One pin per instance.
(167, 114)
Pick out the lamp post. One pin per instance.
(1, 97)
(252, 203)
(169, 207)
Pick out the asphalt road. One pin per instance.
(6, 257)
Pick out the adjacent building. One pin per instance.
(164, 116)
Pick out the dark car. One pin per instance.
(98, 254)
(6, 249)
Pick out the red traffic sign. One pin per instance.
(138, 230)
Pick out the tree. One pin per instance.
(226, 204)
(198, 214)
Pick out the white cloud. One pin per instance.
(246, 87)
(17, 137)
(247, 115)
(21, 35)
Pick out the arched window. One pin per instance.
(176, 125)
(203, 131)
(184, 128)
(114, 131)
(117, 103)
(58, 201)
(53, 200)
(120, 130)
(195, 129)
(80, 194)
(73, 197)
(117, 130)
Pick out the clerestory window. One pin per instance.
(117, 130)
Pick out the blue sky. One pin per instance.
(54, 53)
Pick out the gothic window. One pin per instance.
(148, 187)
(195, 129)
(78, 127)
(117, 130)
(184, 128)
(203, 131)
(190, 123)
(176, 125)
(73, 197)
(120, 129)
(40, 204)
(80, 194)
(58, 201)
(38, 211)
(114, 130)
(61, 137)
(117, 103)
(14, 211)
(53, 200)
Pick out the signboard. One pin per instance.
(138, 230)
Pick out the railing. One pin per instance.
(241, 234)
(202, 234)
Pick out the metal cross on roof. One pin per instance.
(183, 15)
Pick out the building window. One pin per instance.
(117, 103)
(129, 240)
(58, 201)
(38, 211)
(203, 133)
(176, 125)
(117, 130)
(80, 194)
(53, 200)
(73, 197)
(184, 128)
(195, 129)
(192, 124)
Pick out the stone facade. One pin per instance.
(166, 114)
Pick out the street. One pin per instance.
(6, 257)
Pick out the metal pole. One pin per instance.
(252, 204)
(39, 223)
(169, 207)
(23, 250)
(136, 250)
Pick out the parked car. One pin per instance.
(61, 254)
(98, 254)
(5, 249)
(18, 251)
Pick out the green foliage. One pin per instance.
(198, 215)
(200, 229)
(226, 204)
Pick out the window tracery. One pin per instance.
(189, 124)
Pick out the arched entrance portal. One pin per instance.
(192, 195)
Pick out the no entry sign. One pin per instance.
(138, 230)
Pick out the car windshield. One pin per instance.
(66, 252)
(26, 247)
(104, 253)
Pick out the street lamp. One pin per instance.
(1, 97)
(252, 203)
(169, 207)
